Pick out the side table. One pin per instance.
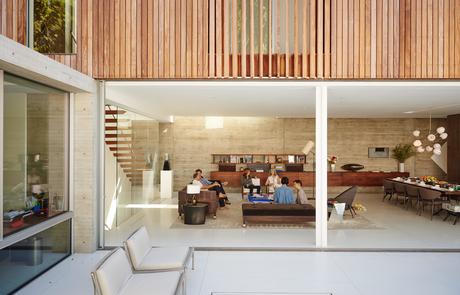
(195, 214)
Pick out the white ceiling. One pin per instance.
(161, 100)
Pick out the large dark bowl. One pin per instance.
(352, 167)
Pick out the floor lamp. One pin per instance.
(307, 149)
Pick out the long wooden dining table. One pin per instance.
(445, 193)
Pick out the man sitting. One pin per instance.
(283, 194)
(207, 182)
(212, 187)
(246, 181)
(301, 195)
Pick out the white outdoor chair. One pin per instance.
(114, 276)
(144, 257)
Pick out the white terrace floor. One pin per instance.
(336, 273)
(394, 228)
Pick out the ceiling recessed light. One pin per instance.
(409, 112)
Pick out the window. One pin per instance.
(52, 26)
(35, 153)
(26, 259)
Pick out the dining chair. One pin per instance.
(429, 197)
(400, 191)
(388, 189)
(412, 193)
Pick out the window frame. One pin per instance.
(68, 194)
(30, 29)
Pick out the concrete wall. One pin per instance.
(191, 145)
(85, 172)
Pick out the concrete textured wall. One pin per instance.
(191, 145)
(85, 172)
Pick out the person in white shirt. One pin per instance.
(273, 181)
(212, 187)
(301, 195)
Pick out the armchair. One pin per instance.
(207, 197)
(347, 197)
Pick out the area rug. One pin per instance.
(230, 217)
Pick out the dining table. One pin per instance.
(446, 194)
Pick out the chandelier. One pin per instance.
(434, 140)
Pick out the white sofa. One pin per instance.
(144, 257)
(114, 276)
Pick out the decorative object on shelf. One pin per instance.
(166, 165)
(402, 152)
(352, 167)
(431, 137)
(332, 160)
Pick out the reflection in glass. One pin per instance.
(53, 25)
(132, 164)
(21, 262)
(34, 153)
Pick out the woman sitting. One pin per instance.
(273, 182)
(212, 187)
(283, 194)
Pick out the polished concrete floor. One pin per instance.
(397, 228)
(337, 273)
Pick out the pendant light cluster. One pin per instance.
(434, 140)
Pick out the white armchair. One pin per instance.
(114, 276)
(146, 258)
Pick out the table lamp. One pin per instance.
(193, 189)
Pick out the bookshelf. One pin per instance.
(258, 159)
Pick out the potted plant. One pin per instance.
(401, 153)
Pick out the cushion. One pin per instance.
(114, 273)
(164, 283)
(164, 258)
(138, 246)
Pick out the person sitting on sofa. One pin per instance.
(212, 187)
(273, 181)
(206, 181)
(284, 194)
(301, 195)
(246, 182)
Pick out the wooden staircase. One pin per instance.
(118, 137)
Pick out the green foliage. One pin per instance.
(49, 26)
(402, 152)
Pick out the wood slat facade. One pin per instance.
(302, 39)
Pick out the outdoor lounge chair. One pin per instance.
(114, 276)
(144, 257)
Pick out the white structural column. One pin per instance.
(321, 166)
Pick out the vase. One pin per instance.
(332, 167)
(340, 209)
(401, 167)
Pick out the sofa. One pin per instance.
(207, 197)
(269, 213)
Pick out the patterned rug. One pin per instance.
(230, 217)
